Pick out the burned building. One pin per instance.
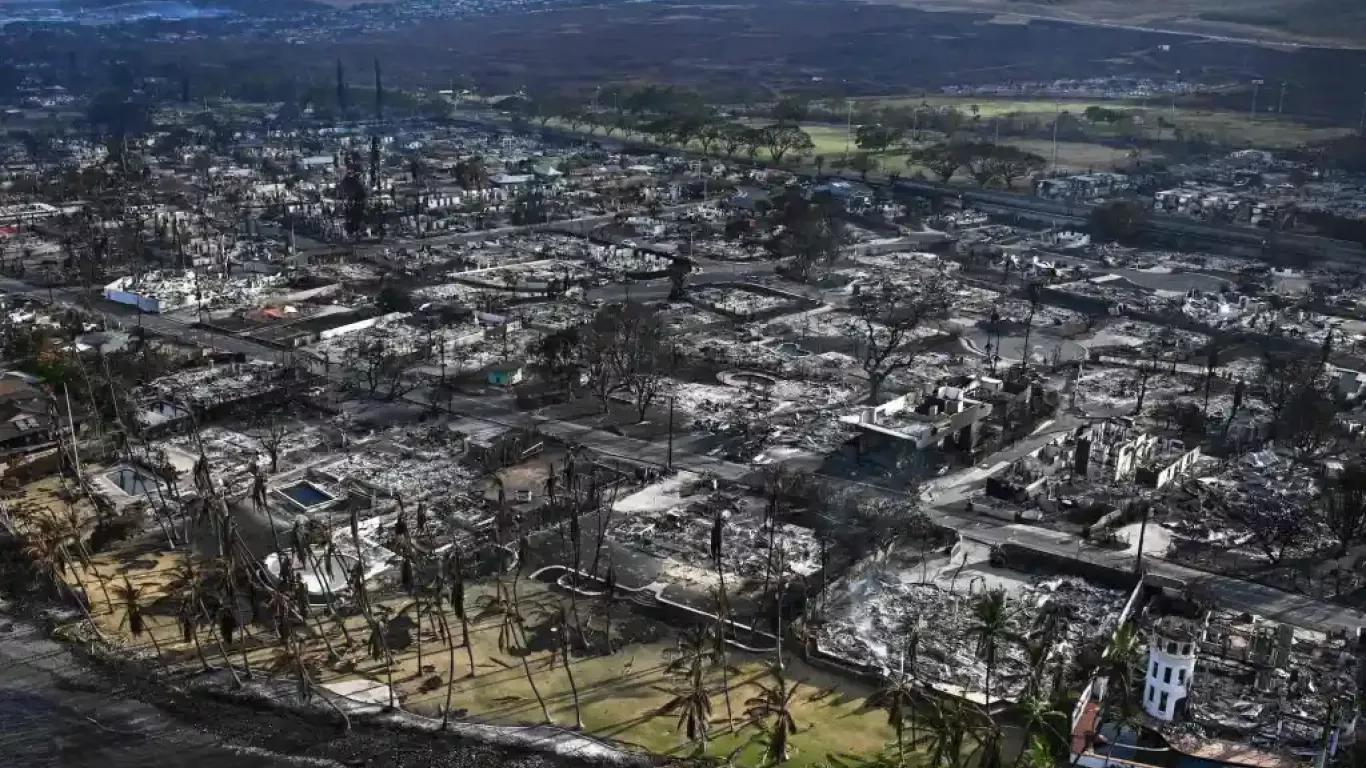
(919, 425)
(1237, 681)
(1114, 451)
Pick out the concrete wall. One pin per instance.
(305, 295)
(144, 303)
(360, 325)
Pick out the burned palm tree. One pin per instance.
(559, 622)
(609, 597)
(457, 574)
(771, 712)
(691, 701)
(131, 599)
(899, 699)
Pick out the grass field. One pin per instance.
(829, 141)
(1235, 129)
(1072, 156)
(621, 693)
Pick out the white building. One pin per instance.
(1172, 646)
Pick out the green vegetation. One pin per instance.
(988, 142)
(1155, 119)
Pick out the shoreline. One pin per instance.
(263, 723)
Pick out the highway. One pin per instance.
(942, 499)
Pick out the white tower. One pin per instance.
(1171, 664)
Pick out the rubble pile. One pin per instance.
(682, 533)
(405, 463)
(203, 387)
(737, 301)
(1273, 684)
(871, 621)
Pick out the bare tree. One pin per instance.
(1343, 507)
(642, 355)
(1275, 526)
(271, 429)
(807, 233)
(1307, 424)
(890, 315)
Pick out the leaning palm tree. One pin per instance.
(131, 599)
(378, 647)
(512, 639)
(771, 712)
(48, 557)
(293, 660)
(560, 626)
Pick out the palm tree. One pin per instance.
(457, 572)
(131, 598)
(1120, 666)
(771, 712)
(991, 628)
(511, 635)
(48, 557)
(378, 647)
(195, 609)
(1041, 723)
(951, 722)
(692, 654)
(692, 703)
(898, 699)
(721, 631)
(293, 660)
(1036, 754)
(560, 621)
(1034, 295)
(609, 597)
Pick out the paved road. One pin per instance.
(945, 505)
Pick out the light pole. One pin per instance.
(1280, 103)
(1256, 86)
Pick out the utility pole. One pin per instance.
(1176, 88)
(379, 94)
(1256, 86)
(1142, 532)
(669, 460)
(848, 126)
(1361, 128)
(1280, 103)
(341, 91)
(1057, 118)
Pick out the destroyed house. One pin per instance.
(941, 418)
(1241, 686)
(205, 391)
(1114, 451)
(26, 420)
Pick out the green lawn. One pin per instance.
(1236, 129)
(830, 142)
